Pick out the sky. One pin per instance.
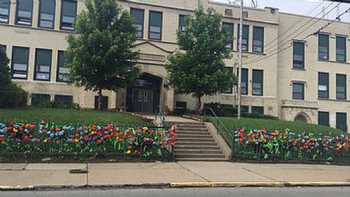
(304, 7)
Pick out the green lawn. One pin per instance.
(66, 116)
(251, 123)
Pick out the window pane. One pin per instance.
(244, 109)
(43, 64)
(323, 46)
(47, 13)
(40, 99)
(298, 54)
(341, 121)
(4, 11)
(69, 8)
(341, 49)
(182, 23)
(341, 87)
(323, 84)
(258, 39)
(258, 78)
(24, 12)
(245, 38)
(63, 70)
(298, 91)
(323, 118)
(229, 70)
(244, 81)
(257, 110)
(155, 25)
(63, 100)
(19, 62)
(138, 17)
(228, 29)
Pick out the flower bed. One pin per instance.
(290, 146)
(38, 141)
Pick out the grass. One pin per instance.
(70, 116)
(251, 123)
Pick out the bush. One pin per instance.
(13, 97)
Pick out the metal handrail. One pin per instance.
(220, 123)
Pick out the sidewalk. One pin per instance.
(179, 174)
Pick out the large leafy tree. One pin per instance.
(100, 54)
(5, 77)
(198, 68)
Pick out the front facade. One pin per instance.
(292, 69)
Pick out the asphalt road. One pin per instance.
(201, 192)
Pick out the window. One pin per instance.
(258, 39)
(4, 11)
(63, 70)
(19, 66)
(43, 59)
(228, 29)
(244, 81)
(40, 99)
(104, 102)
(341, 121)
(47, 13)
(24, 12)
(257, 110)
(298, 90)
(258, 78)
(155, 25)
(323, 84)
(323, 118)
(68, 14)
(182, 23)
(244, 109)
(245, 38)
(341, 49)
(229, 70)
(63, 100)
(138, 16)
(341, 87)
(3, 48)
(323, 47)
(298, 54)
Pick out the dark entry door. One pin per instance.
(142, 100)
(144, 94)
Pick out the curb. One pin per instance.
(178, 185)
(259, 184)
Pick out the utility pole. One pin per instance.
(240, 63)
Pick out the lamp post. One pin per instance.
(240, 62)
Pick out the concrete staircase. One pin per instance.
(194, 143)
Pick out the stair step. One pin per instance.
(196, 151)
(192, 128)
(199, 155)
(201, 159)
(192, 132)
(200, 143)
(192, 139)
(183, 135)
(191, 146)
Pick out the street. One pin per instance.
(201, 192)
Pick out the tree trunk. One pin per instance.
(100, 96)
(199, 105)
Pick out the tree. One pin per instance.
(11, 95)
(5, 77)
(198, 68)
(100, 55)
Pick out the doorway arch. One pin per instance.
(302, 117)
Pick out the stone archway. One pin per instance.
(302, 117)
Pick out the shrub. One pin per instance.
(13, 96)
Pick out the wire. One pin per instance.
(277, 51)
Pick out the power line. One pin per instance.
(277, 51)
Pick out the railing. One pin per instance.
(226, 133)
